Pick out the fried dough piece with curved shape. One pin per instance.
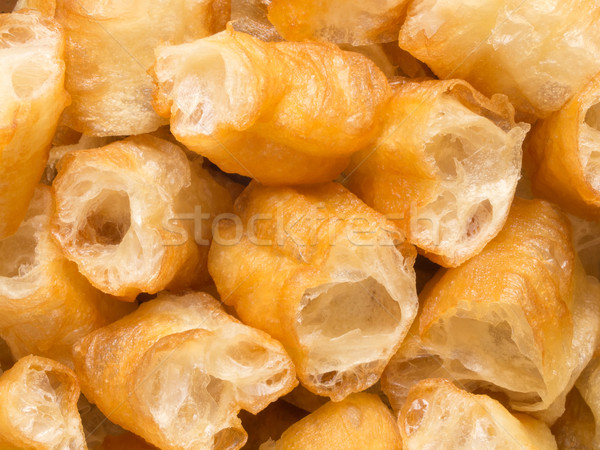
(439, 415)
(539, 53)
(445, 167)
(38, 406)
(359, 421)
(179, 369)
(520, 319)
(33, 98)
(126, 214)
(110, 47)
(323, 273)
(280, 112)
(563, 154)
(46, 303)
(353, 22)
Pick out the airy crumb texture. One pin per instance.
(439, 415)
(125, 215)
(46, 303)
(329, 277)
(38, 406)
(356, 22)
(33, 97)
(445, 167)
(279, 112)
(361, 421)
(538, 53)
(179, 369)
(521, 318)
(563, 155)
(110, 47)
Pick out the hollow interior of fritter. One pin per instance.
(345, 325)
(194, 391)
(477, 165)
(45, 415)
(108, 219)
(487, 350)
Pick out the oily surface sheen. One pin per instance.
(110, 46)
(32, 98)
(563, 156)
(325, 274)
(120, 210)
(520, 318)
(354, 22)
(279, 112)
(359, 421)
(179, 369)
(539, 52)
(444, 168)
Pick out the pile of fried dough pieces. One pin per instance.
(288, 224)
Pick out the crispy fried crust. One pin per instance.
(280, 112)
(445, 167)
(32, 96)
(353, 22)
(359, 421)
(439, 415)
(45, 7)
(46, 303)
(563, 154)
(38, 406)
(136, 215)
(110, 47)
(521, 318)
(525, 50)
(323, 273)
(178, 370)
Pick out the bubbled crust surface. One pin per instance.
(110, 46)
(352, 22)
(295, 244)
(156, 184)
(231, 92)
(449, 197)
(528, 307)
(115, 361)
(556, 155)
(48, 305)
(437, 413)
(537, 53)
(32, 95)
(359, 421)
